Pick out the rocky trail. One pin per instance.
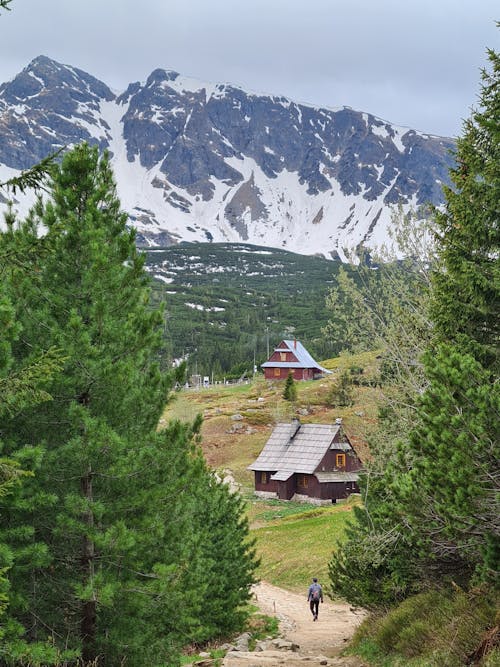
(302, 641)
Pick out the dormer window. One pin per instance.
(340, 460)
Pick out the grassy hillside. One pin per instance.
(296, 543)
(231, 444)
(436, 628)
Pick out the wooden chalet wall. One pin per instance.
(329, 462)
(304, 485)
(283, 355)
(264, 483)
(308, 485)
(279, 373)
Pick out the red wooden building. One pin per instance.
(291, 355)
(312, 462)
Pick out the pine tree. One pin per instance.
(466, 289)
(341, 393)
(20, 389)
(226, 580)
(290, 390)
(431, 506)
(450, 493)
(107, 555)
(461, 417)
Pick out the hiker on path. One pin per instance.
(314, 595)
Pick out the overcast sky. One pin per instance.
(415, 63)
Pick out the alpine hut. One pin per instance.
(291, 355)
(310, 462)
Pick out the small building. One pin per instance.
(291, 355)
(310, 462)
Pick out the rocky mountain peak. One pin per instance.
(200, 161)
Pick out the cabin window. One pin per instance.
(283, 356)
(302, 481)
(264, 477)
(340, 460)
(277, 372)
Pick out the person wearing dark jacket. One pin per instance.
(314, 595)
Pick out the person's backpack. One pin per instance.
(315, 594)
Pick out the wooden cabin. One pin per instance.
(309, 462)
(291, 355)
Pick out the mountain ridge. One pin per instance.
(196, 161)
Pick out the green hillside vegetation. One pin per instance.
(244, 299)
(438, 628)
(227, 305)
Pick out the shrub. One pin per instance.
(341, 393)
(436, 629)
(258, 417)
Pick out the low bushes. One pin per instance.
(448, 628)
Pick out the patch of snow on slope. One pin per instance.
(211, 309)
(379, 131)
(399, 133)
(184, 84)
(134, 183)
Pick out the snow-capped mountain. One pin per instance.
(211, 162)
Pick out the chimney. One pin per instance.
(294, 343)
(295, 426)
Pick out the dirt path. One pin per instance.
(319, 642)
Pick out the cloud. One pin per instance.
(415, 63)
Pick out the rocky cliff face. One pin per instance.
(203, 162)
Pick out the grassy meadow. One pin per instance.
(294, 540)
(297, 546)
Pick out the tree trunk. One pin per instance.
(88, 618)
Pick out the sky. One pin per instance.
(415, 63)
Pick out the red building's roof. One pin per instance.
(304, 359)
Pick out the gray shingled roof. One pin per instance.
(303, 453)
(282, 475)
(337, 476)
(304, 358)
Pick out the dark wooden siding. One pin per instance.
(298, 373)
(271, 485)
(305, 485)
(313, 488)
(328, 491)
(329, 461)
(344, 489)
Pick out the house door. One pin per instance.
(285, 490)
